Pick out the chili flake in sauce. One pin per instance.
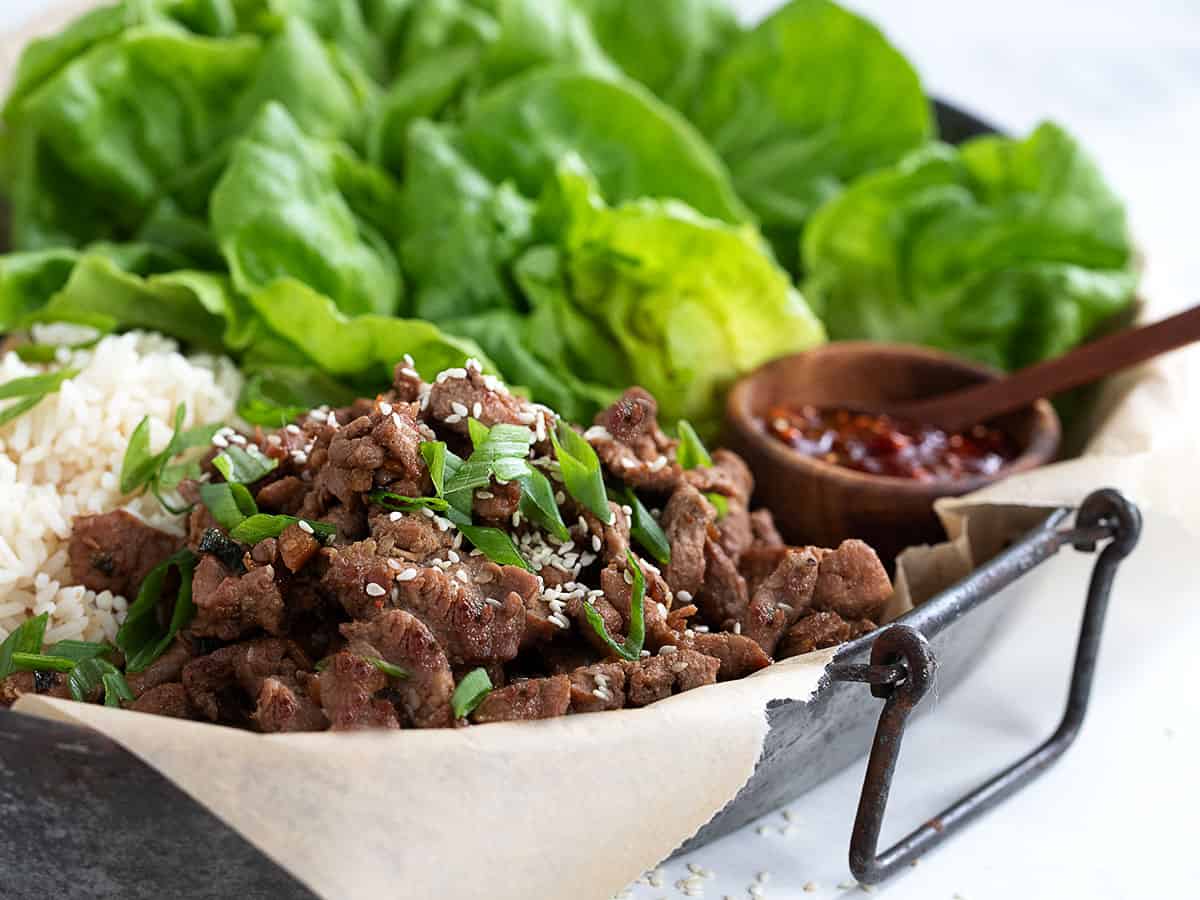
(881, 445)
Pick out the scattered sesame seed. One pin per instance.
(410, 372)
(408, 360)
(238, 439)
(459, 408)
(473, 363)
(395, 516)
(305, 527)
(477, 409)
(375, 590)
(684, 597)
(407, 575)
(220, 441)
(293, 429)
(756, 890)
(453, 419)
(737, 627)
(666, 649)
(492, 601)
(462, 576)
(662, 609)
(597, 543)
(385, 407)
(628, 576)
(560, 498)
(628, 510)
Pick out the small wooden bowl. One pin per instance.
(816, 502)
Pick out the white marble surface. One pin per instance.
(1117, 818)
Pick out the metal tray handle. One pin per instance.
(902, 666)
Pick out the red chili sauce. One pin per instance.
(880, 445)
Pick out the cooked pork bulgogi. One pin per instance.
(451, 552)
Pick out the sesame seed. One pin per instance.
(756, 890)
(485, 495)
(459, 408)
(737, 627)
(237, 439)
(408, 360)
(597, 543)
(560, 498)
(679, 667)
(847, 885)
(219, 441)
(477, 409)
(274, 440)
(492, 601)
(462, 576)
(684, 597)
(473, 363)
(645, 654)
(427, 512)
(293, 429)
(666, 649)
(628, 510)
(395, 564)
(628, 576)
(375, 590)
(453, 420)
(409, 372)
(452, 556)
(407, 575)
(385, 407)
(395, 516)
(305, 527)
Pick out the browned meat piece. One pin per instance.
(348, 686)
(757, 564)
(618, 592)
(781, 598)
(283, 496)
(470, 625)
(762, 523)
(738, 655)
(115, 551)
(167, 668)
(614, 538)
(403, 640)
(168, 699)
(597, 688)
(633, 447)
(53, 684)
(727, 475)
(723, 595)
(495, 504)
(685, 520)
(297, 547)
(614, 622)
(283, 705)
(224, 685)
(412, 536)
(472, 395)
(657, 677)
(358, 578)
(264, 553)
(379, 449)
(406, 383)
(819, 630)
(228, 606)
(852, 582)
(736, 531)
(537, 698)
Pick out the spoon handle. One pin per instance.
(1089, 362)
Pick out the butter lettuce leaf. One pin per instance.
(279, 211)
(1008, 251)
(798, 106)
(693, 303)
(636, 145)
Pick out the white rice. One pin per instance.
(63, 458)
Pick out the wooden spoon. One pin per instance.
(1090, 362)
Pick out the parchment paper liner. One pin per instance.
(576, 808)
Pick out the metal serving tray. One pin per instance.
(83, 817)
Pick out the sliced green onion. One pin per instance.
(153, 471)
(259, 527)
(40, 662)
(392, 671)
(26, 638)
(581, 471)
(36, 385)
(644, 529)
(138, 465)
(116, 689)
(631, 649)
(478, 431)
(495, 544)
(79, 650)
(229, 502)
(400, 503)
(691, 452)
(720, 502)
(141, 638)
(434, 454)
(539, 506)
(470, 692)
(245, 465)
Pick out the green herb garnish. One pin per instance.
(644, 528)
(26, 638)
(495, 544)
(245, 465)
(400, 503)
(30, 391)
(141, 638)
(387, 668)
(443, 465)
(79, 650)
(229, 502)
(539, 506)
(434, 454)
(478, 431)
(261, 526)
(500, 455)
(691, 452)
(720, 502)
(141, 469)
(91, 674)
(632, 648)
(41, 662)
(580, 467)
(470, 692)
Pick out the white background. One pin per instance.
(1118, 818)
